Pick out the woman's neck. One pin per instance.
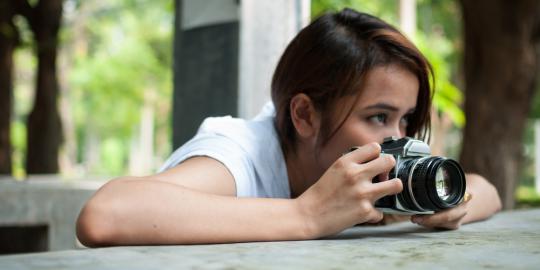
(302, 171)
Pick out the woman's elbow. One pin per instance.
(91, 231)
(495, 199)
(94, 225)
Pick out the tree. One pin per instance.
(501, 63)
(44, 126)
(8, 41)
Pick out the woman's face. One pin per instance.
(382, 110)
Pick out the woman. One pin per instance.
(347, 79)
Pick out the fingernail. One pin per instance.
(389, 156)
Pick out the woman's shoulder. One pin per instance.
(255, 131)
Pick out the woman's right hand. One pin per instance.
(345, 194)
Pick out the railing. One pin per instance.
(39, 214)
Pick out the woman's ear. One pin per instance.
(305, 118)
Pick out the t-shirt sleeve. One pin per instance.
(224, 150)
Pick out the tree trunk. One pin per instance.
(44, 126)
(501, 63)
(8, 41)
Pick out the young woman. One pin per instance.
(347, 79)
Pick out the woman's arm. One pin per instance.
(484, 202)
(487, 202)
(171, 208)
(130, 211)
(193, 202)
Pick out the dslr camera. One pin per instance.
(430, 183)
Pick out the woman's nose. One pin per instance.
(396, 131)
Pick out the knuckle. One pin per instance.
(428, 222)
(364, 207)
(339, 164)
(377, 216)
(361, 194)
(447, 219)
(350, 176)
(397, 185)
(375, 147)
(390, 160)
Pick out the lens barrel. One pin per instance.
(431, 183)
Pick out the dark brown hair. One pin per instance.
(329, 58)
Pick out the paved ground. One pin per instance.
(510, 240)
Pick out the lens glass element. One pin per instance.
(443, 183)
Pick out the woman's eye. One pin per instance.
(405, 120)
(378, 118)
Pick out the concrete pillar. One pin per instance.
(407, 17)
(266, 29)
(225, 53)
(205, 63)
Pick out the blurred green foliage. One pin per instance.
(384, 9)
(114, 58)
(527, 197)
(447, 98)
(528, 173)
(128, 62)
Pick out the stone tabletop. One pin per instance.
(510, 240)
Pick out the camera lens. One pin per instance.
(432, 183)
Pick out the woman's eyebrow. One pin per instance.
(388, 107)
(383, 106)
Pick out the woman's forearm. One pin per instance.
(485, 199)
(136, 212)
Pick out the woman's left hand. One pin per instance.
(481, 202)
(447, 219)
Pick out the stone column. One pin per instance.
(225, 52)
(205, 63)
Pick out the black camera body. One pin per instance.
(430, 183)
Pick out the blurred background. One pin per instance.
(99, 89)
(115, 83)
(114, 66)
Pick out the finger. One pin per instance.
(385, 188)
(440, 219)
(375, 216)
(364, 153)
(446, 218)
(381, 165)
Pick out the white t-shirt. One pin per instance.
(249, 149)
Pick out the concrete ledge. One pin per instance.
(48, 203)
(510, 240)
